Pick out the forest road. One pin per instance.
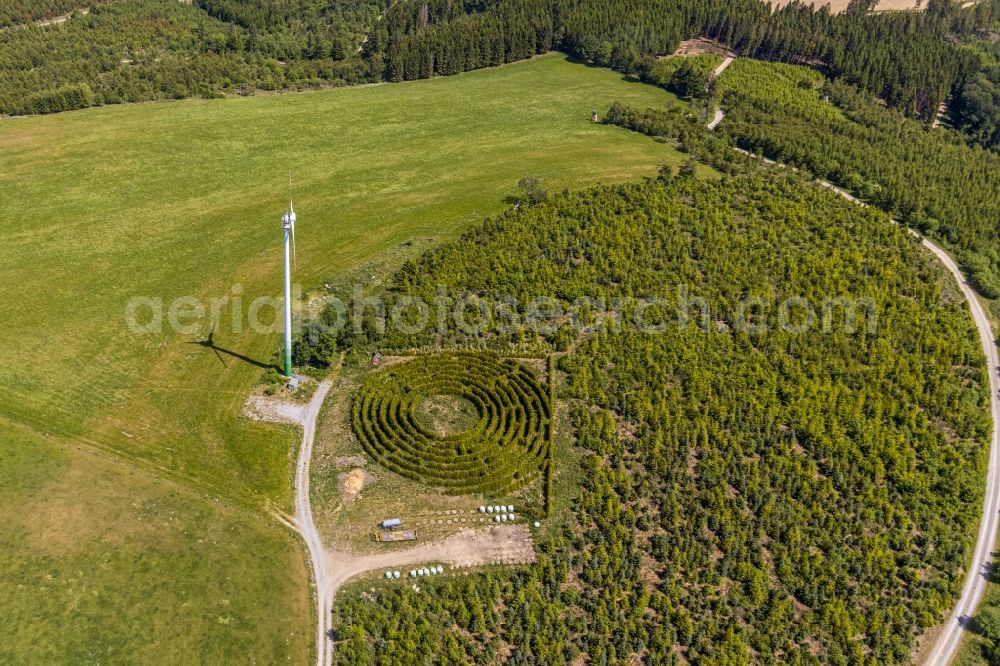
(61, 19)
(946, 645)
(719, 113)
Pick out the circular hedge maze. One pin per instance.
(503, 446)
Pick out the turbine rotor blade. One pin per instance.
(291, 211)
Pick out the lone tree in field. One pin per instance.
(532, 190)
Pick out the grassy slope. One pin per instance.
(184, 198)
(102, 562)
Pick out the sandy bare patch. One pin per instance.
(265, 408)
(699, 45)
(837, 6)
(352, 483)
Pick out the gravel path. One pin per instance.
(719, 113)
(306, 416)
(946, 646)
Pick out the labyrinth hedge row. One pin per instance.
(507, 448)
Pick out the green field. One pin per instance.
(184, 198)
(103, 563)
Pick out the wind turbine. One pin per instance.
(288, 223)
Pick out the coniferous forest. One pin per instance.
(791, 496)
(906, 58)
(140, 50)
(977, 103)
(930, 179)
(158, 49)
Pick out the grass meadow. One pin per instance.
(103, 563)
(133, 506)
(184, 198)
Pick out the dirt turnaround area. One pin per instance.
(502, 544)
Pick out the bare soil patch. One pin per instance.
(503, 544)
(699, 45)
(352, 483)
(264, 408)
(837, 6)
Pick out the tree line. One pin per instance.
(907, 59)
(134, 51)
(158, 49)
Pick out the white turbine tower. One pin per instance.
(288, 222)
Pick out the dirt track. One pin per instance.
(719, 113)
